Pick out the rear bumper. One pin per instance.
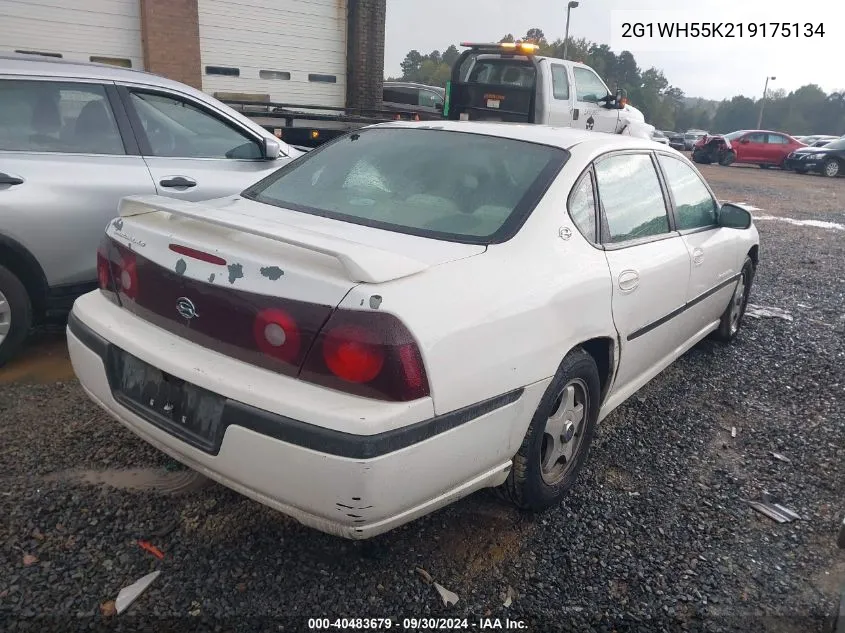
(351, 484)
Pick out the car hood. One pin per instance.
(812, 150)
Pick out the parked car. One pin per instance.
(426, 101)
(676, 140)
(300, 363)
(810, 140)
(691, 137)
(757, 147)
(828, 160)
(74, 139)
(659, 137)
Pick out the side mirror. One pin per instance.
(732, 216)
(270, 149)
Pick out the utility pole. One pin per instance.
(763, 102)
(572, 4)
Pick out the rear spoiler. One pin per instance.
(365, 264)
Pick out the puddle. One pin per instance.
(44, 360)
(139, 479)
(819, 224)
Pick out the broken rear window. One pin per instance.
(454, 186)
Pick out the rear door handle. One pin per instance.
(629, 280)
(8, 179)
(698, 256)
(177, 181)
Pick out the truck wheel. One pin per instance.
(727, 159)
(15, 315)
(558, 439)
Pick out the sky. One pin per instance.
(706, 68)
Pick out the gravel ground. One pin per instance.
(656, 536)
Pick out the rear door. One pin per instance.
(649, 264)
(777, 147)
(713, 250)
(587, 112)
(68, 156)
(192, 152)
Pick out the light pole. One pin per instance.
(572, 4)
(763, 102)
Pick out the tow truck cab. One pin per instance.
(510, 82)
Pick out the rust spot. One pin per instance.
(273, 273)
(236, 271)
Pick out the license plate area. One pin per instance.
(180, 408)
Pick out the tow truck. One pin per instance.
(511, 82)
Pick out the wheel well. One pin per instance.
(601, 349)
(754, 254)
(24, 266)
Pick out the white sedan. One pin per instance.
(409, 314)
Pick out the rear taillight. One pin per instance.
(367, 353)
(117, 269)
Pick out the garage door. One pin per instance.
(82, 30)
(292, 50)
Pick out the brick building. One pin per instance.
(312, 52)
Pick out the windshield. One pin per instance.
(448, 185)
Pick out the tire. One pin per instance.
(831, 168)
(727, 159)
(732, 320)
(15, 315)
(531, 487)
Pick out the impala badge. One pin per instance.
(186, 308)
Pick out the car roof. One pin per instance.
(563, 137)
(42, 66)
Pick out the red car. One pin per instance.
(758, 147)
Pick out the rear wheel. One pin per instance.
(732, 316)
(727, 159)
(558, 439)
(831, 168)
(15, 315)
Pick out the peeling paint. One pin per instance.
(181, 267)
(362, 302)
(118, 224)
(273, 273)
(211, 278)
(236, 271)
(375, 302)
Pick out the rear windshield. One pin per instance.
(501, 72)
(454, 186)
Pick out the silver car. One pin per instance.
(74, 139)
